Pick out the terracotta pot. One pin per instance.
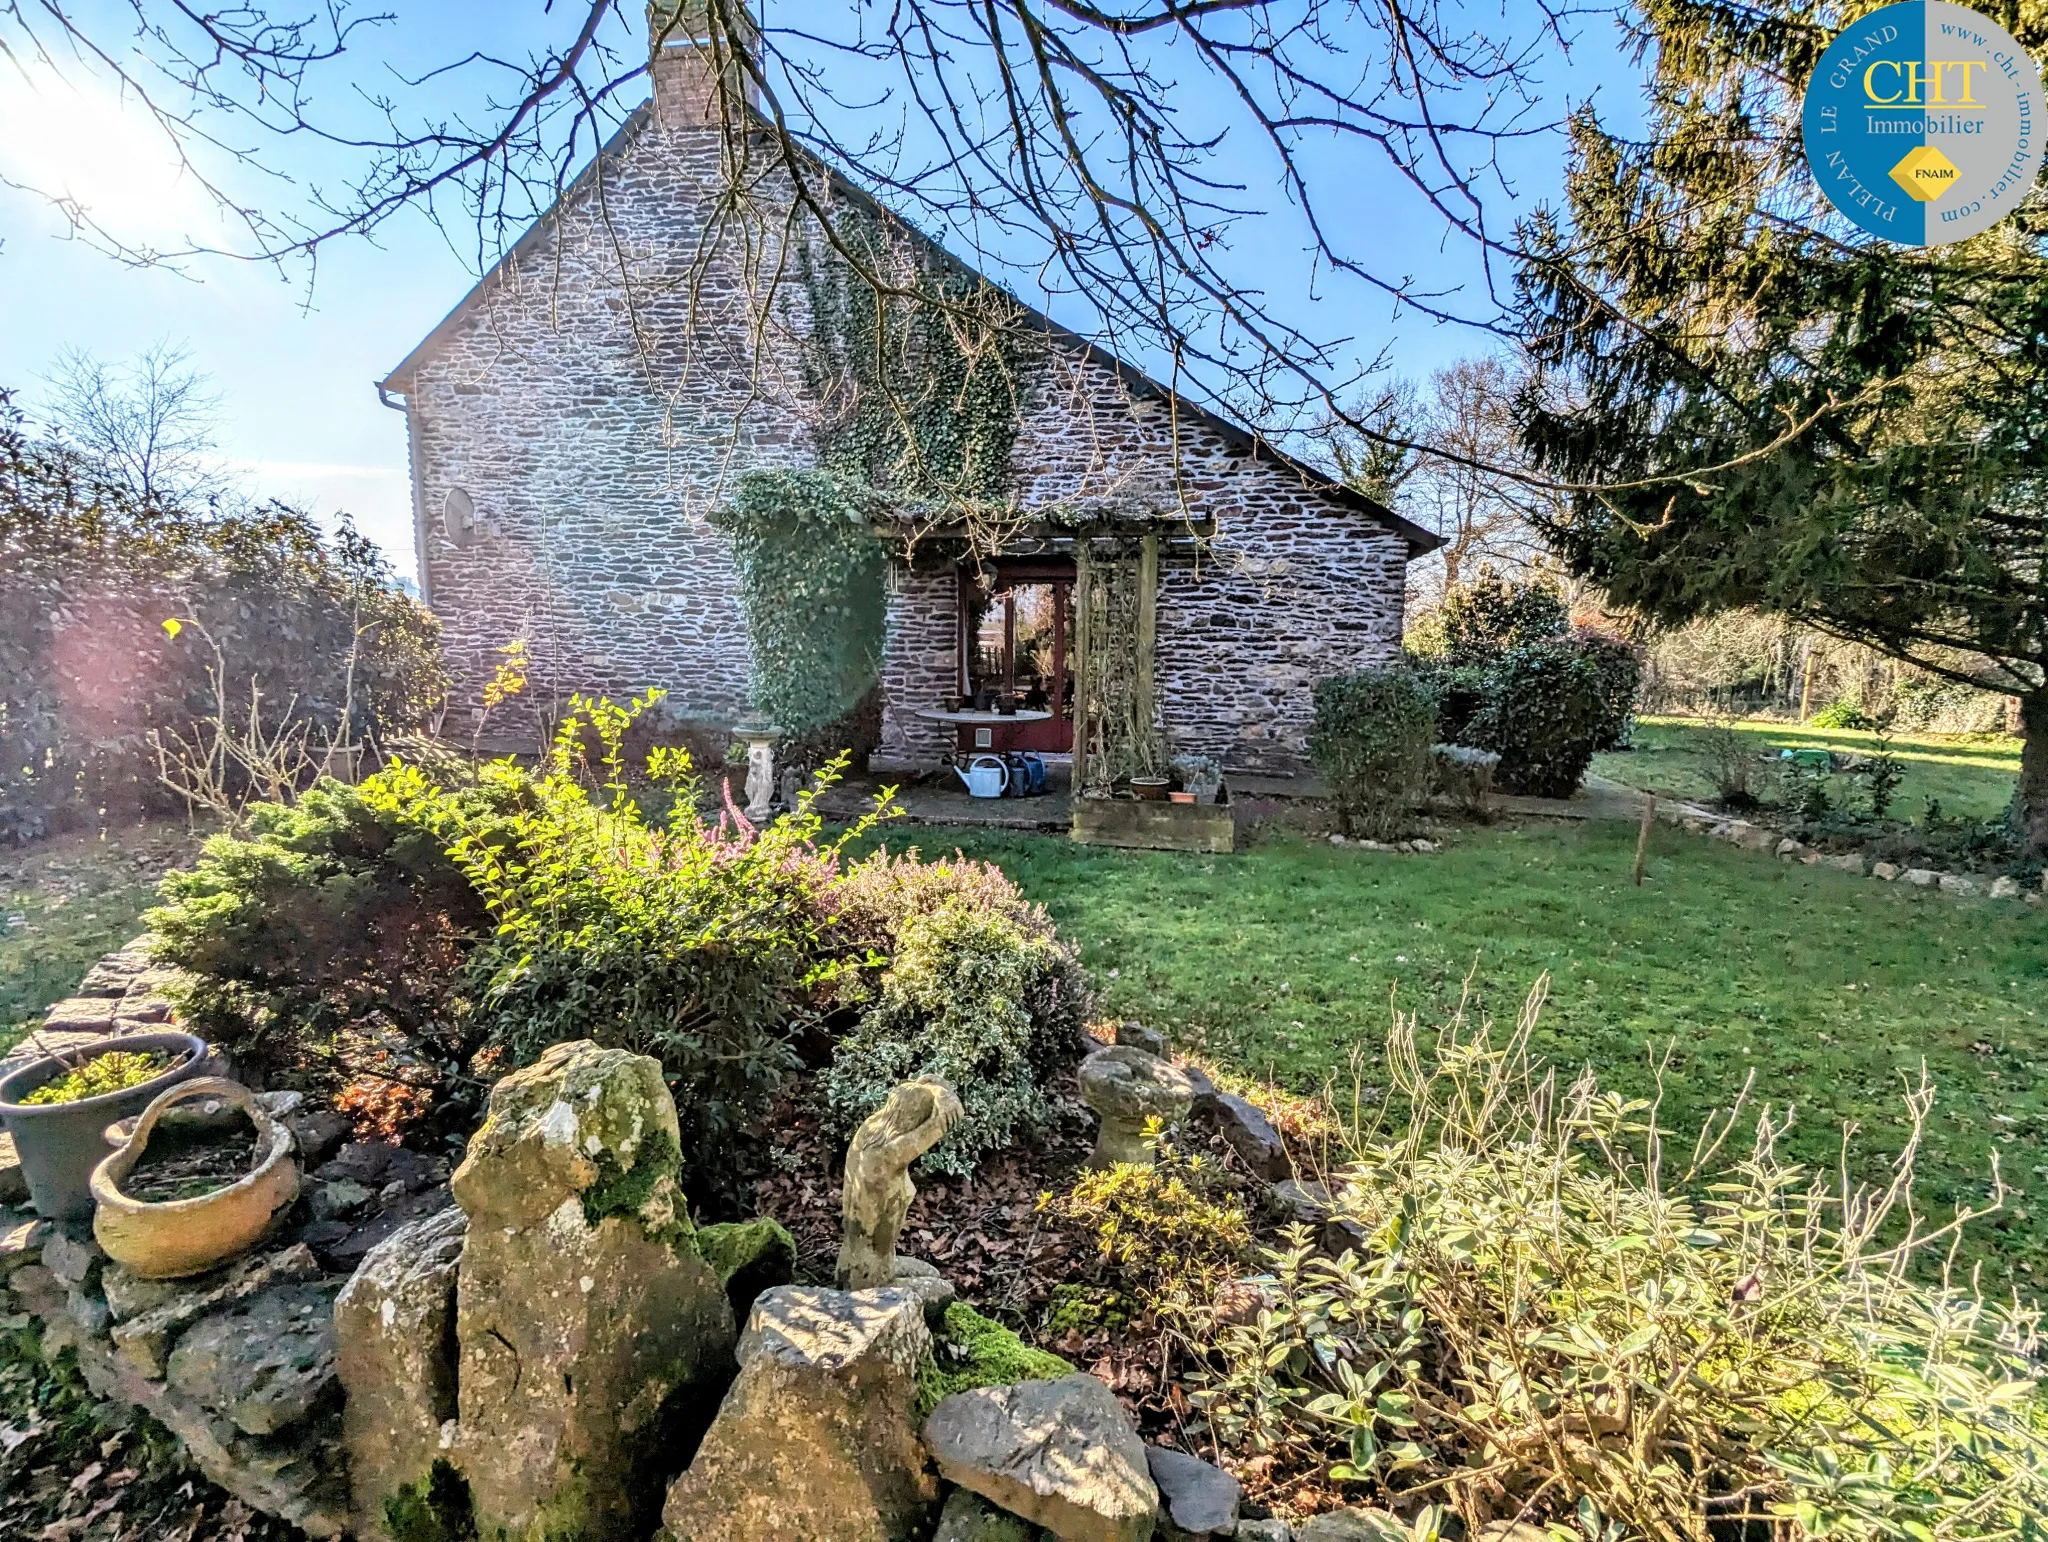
(61, 1143)
(1180, 797)
(189, 1236)
(1151, 788)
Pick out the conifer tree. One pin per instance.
(1789, 414)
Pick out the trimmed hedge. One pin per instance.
(1371, 739)
(1545, 714)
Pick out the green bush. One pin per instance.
(1370, 740)
(342, 910)
(1544, 715)
(1537, 1318)
(1166, 1235)
(1492, 616)
(1621, 673)
(977, 990)
(395, 928)
(1461, 693)
(1844, 712)
(706, 945)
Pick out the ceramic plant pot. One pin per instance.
(1152, 789)
(1180, 797)
(61, 1143)
(189, 1236)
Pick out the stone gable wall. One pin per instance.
(591, 459)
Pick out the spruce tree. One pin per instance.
(1786, 413)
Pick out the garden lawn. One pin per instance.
(1971, 777)
(66, 901)
(1285, 958)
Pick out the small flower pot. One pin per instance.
(61, 1143)
(1180, 797)
(180, 1237)
(1152, 789)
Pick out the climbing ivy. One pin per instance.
(919, 391)
(813, 580)
(922, 388)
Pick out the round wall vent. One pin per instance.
(458, 518)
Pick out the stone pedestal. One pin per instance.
(1126, 1087)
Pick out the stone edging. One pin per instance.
(1762, 838)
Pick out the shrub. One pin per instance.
(1803, 783)
(1732, 765)
(973, 993)
(704, 945)
(1537, 1319)
(1370, 740)
(1169, 1235)
(1621, 672)
(1544, 714)
(1493, 616)
(1461, 693)
(1882, 777)
(1844, 712)
(334, 932)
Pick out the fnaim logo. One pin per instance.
(1923, 123)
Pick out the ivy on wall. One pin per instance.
(920, 385)
(813, 582)
(922, 382)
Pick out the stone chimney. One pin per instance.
(681, 60)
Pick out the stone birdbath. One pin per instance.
(1126, 1087)
(759, 736)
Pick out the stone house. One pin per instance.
(575, 417)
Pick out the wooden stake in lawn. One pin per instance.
(1643, 837)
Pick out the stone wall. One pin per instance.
(576, 419)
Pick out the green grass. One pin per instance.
(63, 904)
(1971, 777)
(1283, 958)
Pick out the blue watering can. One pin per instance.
(985, 777)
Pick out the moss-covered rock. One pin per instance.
(749, 1257)
(582, 1120)
(976, 1351)
(435, 1509)
(586, 1321)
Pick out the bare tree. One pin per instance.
(1466, 492)
(149, 424)
(1074, 146)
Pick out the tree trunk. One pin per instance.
(2033, 798)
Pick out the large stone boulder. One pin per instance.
(1061, 1453)
(583, 1312)
(815, 1438)
(394, 1330)
(1252, 1135)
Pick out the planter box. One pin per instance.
(1155, 826)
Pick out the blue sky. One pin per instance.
(296, 372)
